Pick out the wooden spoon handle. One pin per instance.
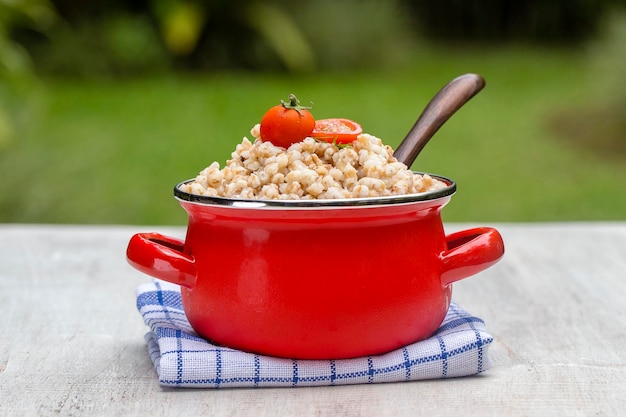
(442, 106)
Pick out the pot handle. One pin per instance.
(161, 257)
(470, 252)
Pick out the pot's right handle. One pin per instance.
(469, 252)
(161, 257)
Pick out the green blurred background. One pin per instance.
(105, 106)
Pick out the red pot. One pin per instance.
(316, 279)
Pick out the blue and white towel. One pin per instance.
(183, 359)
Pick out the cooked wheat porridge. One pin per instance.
(310, 169)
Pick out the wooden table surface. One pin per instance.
(71, 339)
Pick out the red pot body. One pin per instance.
(316, 283)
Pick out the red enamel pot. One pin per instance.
(316, 279)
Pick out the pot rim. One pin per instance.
(320, 203)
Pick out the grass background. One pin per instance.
(111, 151)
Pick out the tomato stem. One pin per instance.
(294, 104)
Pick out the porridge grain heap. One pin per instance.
(310, 170)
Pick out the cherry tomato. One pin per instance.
(336, 130)
(287, 123)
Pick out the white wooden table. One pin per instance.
(71, 340)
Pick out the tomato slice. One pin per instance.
(336, 130)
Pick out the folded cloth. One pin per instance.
(183, 359)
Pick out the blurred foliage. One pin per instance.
(141, 36)
(607, 59)
(118, 45)
(542, 21)
(214, 35)
(356, 34)
(180, 24)
(600, 125)
(17, 80)
(281, 34)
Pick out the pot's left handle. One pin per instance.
(161, 257)
(469, 252)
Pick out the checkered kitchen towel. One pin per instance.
(183, 359)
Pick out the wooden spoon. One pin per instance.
(440, 108)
